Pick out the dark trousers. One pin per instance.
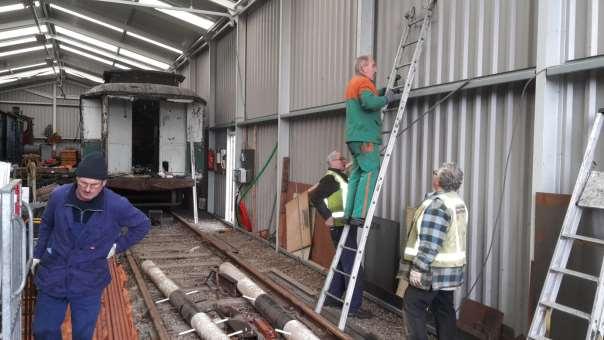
(415, 303)
(338, 284)
(50, 313)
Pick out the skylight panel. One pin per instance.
(84, 46)
(13, 69)
(144, 59)
(24, 50)
(85, 38)
(37, 72)
(17, 41)
(84, 75)
(21, 32)
(134, 63)
(15, 7)
(85, 17)
(184, 16)
(156, 43)
(87, 55)
(224, 3)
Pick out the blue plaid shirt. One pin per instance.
(432, 234)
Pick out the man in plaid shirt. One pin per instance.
(435, 255)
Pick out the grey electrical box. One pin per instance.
(246, 158)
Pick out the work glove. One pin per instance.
(34, 263)
(390, 96)
(111, 251)
(329, 222)
(415, 278)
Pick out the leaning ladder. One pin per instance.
(399, 68)
(586, 195)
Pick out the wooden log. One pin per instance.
(201, 322)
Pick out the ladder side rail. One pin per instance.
(395, 63)
(384, 167)
(332, 268)
(596, 323)
(569, 226)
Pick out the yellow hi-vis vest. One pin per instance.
(337, 201)
(453, 250)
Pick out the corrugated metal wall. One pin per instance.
(311, 140)
(468, 38)
(261, 65)
(68, 117)
(186, 72)
(476, 130)
(323, 45)
(225, 78)
(581, 24)
(220, 178)
(260, 201)
(203, 75)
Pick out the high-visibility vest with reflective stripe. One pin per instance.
(453, 250)
(337, 201)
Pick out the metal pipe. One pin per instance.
(54, 113)
(266, 305)
(200, 321)
(194, 176)
(291, 298)
(162, 334)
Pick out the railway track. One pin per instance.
(191, 259)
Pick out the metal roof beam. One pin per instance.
(16, 24)
(109, 41)
(172, 8)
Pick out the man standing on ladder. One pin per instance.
(435, 255)
(363, 137)
(328, 197)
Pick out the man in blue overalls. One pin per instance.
(81, 228)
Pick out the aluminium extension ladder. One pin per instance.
(399, 68)
(587, 194)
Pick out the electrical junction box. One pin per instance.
(246, 158)
(241, 175)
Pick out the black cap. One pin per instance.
(93, 166)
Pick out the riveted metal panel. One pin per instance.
(261, 201)
(225, 78)
(323, 47)
(203, 74)
(467, 39)
(311, 140)
(262, 52)
(172, 136)
(119, 136)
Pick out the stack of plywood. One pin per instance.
(298, 232)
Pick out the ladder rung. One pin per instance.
(566, 309)
(341, 272)
(334, 297)
(585, 238)
(350, 248)
(576, 274)
(412, 23)
(410, 43)
(398, 67)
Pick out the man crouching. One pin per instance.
(435, 255)
(81, 228)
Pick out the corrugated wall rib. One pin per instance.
(261, 200)
(311, 140)
(220, 178)
(584, 27)
(475, 130)
(467, 39)
(262, 44)
(225, 78)
(203, 75)
(323, 44)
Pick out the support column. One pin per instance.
(546, 176)
(285, 14)
(211, 122)
(54, 112)
(365, 27)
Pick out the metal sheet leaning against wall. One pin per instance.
(262, 54)
(475, 129)
(119, 136)
(225, 78)
(323, 47)
(172, 136)
(467, 39)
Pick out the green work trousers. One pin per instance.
(365, 168)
